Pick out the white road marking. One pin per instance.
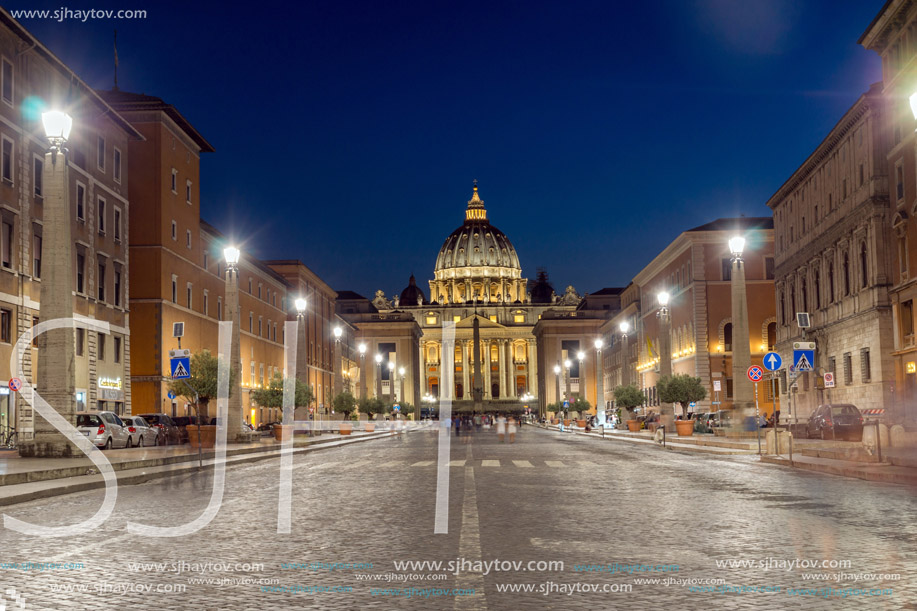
(555, 463)
(423, 463)
(522, 463)
(490, 463)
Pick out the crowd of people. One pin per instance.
(504, 425)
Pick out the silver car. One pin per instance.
(104, 429)
(141, 433)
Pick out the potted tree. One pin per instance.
(272, 396)
(199, 389)
(682, 389)
(627, 397)
(371, 407)
(345, 404)
(582, 407)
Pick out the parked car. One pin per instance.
(267, 426)
(181, 423)
(837, 421)
(168, 431)
(142, 433)
(722, 418)
(104, 429)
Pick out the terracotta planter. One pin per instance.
(685, 428)
(346, 428)
(208, 435)
(581, 424)
(283, 431)
(369, 427)
(555, 421)
(567, 421)
(633, 426)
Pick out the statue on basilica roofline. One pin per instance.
(380, 302)
(571, 297)
(397, 300)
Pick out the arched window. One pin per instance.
(782, 310)
(771, 335)
(831, 292)
(792, 303)
(817, 290)
(727, 337)
(863, 270)
(805, 296)
(846, 274)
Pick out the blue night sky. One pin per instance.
(348, 133)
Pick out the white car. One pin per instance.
(104, 429)
(140, 432)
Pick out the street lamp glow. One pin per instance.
(580, 355)
(568, 364)
(391, 366)
(300, 306)
(556, 369)
(736, 245)
(599, 343)
(338, 332)
(401, 371)
(362, 349)
(624, 327)
(663, 298)
(231, 254)
(57, 126)
(378, 359)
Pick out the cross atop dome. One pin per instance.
(475, 211)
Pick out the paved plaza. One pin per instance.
(532, 525)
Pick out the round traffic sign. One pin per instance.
(755, 373)
(772, 361)
(15, 384)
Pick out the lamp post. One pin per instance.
(557, 385)
(391, 381)
(581, 357)
(567, 365)
(362, 348)
(742, 392)
(55, 368)
(401, 372)
(665, 353)
(337, 365)
(599, 383)
(234, 422)
(301, 373)
(378, 376)
(624, 327)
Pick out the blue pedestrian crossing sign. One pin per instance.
(181, 368)
(803, 360)
(772, 361)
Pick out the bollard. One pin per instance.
(878, 442)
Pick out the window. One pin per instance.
(261, 374)
(251, 371)
(251, 322)
(907, 321)
(188, 191)
(863, 266)
(174, 180)
(830, 203)
(865, 369)
(519, 318)
(259, 290)
(117, 349)
(101, 153)
(174, 289)
(80, 272)
(101, 216)
(769, 268)
(5, 317)
(101, 281)
(832, 366)
(250, 287)
(727, 269)
(848, 368)
(116, 167)
(189, 291)
(830, 298)
(101, 347)
(39, 168)
(80, 341)
(219, 308)
(188, 238)
(260, 327)
(7, 82)
(771, 336)
(846, 274)
(7, 243)
(899, 182)
(174, 230)
(205, 260)
(117, 224)
(862, 175)
(817, 290)
(6, 162)
(431, 320)
(844, 190)
(275, 332)
(727, 337)
(117, 286)
(80, 199)
(206, 295)
(36, 256)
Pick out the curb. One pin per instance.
(672, 446)
(877, 472)
(40, 489)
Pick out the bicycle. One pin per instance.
(11, 439)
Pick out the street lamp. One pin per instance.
(362, 349)
(599, 383)
(557, 383)
(567, 365)
(742, 393)
(391, 381)
(337, 364)
(401, 375)
(378, 376)
(581, 356)
(55, 368)
(665, 350)
(234, 422)
(302, 373)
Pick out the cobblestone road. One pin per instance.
(617, 516)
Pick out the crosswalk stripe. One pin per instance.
(423, 463)
(490, 463)
(522, 463)
(457, 463)
(391, 463)
(587, 463)
(555, 463)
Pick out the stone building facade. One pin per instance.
(834, 262)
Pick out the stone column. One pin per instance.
(501, 358)
(600, 386)
(488, 383)
(447, 371)
(466, 386)
(742, 391)
(236, 417)
(55, 369)
(531, 366)
(510, 370)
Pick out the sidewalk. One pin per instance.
(26, 479)
(876, 472)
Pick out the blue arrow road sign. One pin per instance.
(181, 368)
(772, 361)
(803, 360)
(171, 394)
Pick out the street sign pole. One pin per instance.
(757, 423)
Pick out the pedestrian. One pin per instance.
(477, 422)
(457, 423)
(501, 427)
(511, 429)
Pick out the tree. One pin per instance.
(272, 396)
(371, 406)
(201, 387)
(628, 397)
(580, 405)
(682, 389)
(344, 403)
